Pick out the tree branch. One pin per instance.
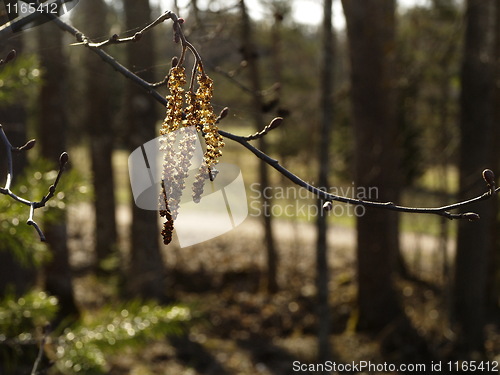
(244, 141)
(114, 39)
(19, 23)
(6, 190)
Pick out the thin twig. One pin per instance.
(46, 331)
(114, 39)
(6, 190)
(275, 123)
(441, 211)
(231, 78)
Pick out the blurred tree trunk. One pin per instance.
(13, 119)
(326, 109)
(370, 30)
(51, 134)
(474, 239)
(280, 10)
(250, 55)
(494, 269)
(146, 277)
(98, 122)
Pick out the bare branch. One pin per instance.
(441, 211)
(114, 39)
(46, 331)
(6, 190)
(231, 78)
(275, 123)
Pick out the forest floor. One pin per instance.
(246, 331)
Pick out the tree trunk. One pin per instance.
(250, 55)
(147, 270)
(494, 269)
(326, 110)
(51, 134)
(370, 30)
(474, 239)
(98, 123)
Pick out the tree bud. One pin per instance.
(328, 206)
(223, 113)
(11, 56)
(471, 216)
(489, 177)
(28, 145)
(275, 123)
(63, 159)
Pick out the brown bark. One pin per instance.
(370, 29)
(326, 125)
(147, 271)
(51, 133)
(250, 55)
(494, 269)
(474, 239)
(98, 121)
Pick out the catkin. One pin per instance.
(186, 110)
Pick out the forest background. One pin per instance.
(403, 99)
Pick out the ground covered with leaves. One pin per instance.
(241, 329)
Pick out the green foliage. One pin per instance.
(21, 320)
(19, 317)
(82, 349)
(18, 78)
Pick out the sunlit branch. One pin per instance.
(115, 39)
(275, 123)
(6, 190)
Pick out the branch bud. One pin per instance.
(223, 113)
(471, 216)
(175, 61)
(11, 56)
(137, 36)
(28, 145)
(63, 159)
(275, 123)
(328, 206)
(489, 177)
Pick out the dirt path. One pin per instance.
(295, 238)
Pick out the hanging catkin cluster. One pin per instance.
(191, 110)
(173, 118)
(207, 121)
